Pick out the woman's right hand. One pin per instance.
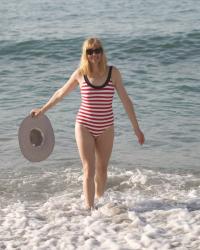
(36, 112)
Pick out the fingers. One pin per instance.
(32, 113)
(141, 138)
(35, 112)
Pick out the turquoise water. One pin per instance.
(156, 46)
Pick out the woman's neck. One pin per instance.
(96, 72)
(95, 69)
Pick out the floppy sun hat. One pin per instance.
(36, 138)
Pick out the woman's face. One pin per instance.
(94, 54)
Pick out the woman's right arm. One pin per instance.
(58, 95)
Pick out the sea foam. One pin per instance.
(141, 209)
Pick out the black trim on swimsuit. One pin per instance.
(101, 86)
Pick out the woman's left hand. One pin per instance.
(140, 136)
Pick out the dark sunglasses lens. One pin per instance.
(89, 51)
(96, 51)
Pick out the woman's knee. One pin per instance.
(101, 171)
(89, 171)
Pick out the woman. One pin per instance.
(94, 129)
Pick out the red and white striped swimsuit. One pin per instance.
(96, 112)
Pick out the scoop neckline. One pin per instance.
(102, 85)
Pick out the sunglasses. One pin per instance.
(92, 51)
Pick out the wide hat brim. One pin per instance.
(36, 138)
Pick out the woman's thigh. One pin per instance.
(86, 145)
(103, 147)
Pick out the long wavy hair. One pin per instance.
(85, 66)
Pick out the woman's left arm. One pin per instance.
(127, 103)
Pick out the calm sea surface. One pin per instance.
(156, 46)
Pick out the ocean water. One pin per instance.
(152, 199)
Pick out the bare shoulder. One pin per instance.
(76, 74)
(116, 75)
(115, 70)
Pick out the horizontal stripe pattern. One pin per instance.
(96, 112)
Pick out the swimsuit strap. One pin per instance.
(103, 85)
(109, 74)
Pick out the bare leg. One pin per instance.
(103, 149)
(86, 146)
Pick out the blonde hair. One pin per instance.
(85, 67)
